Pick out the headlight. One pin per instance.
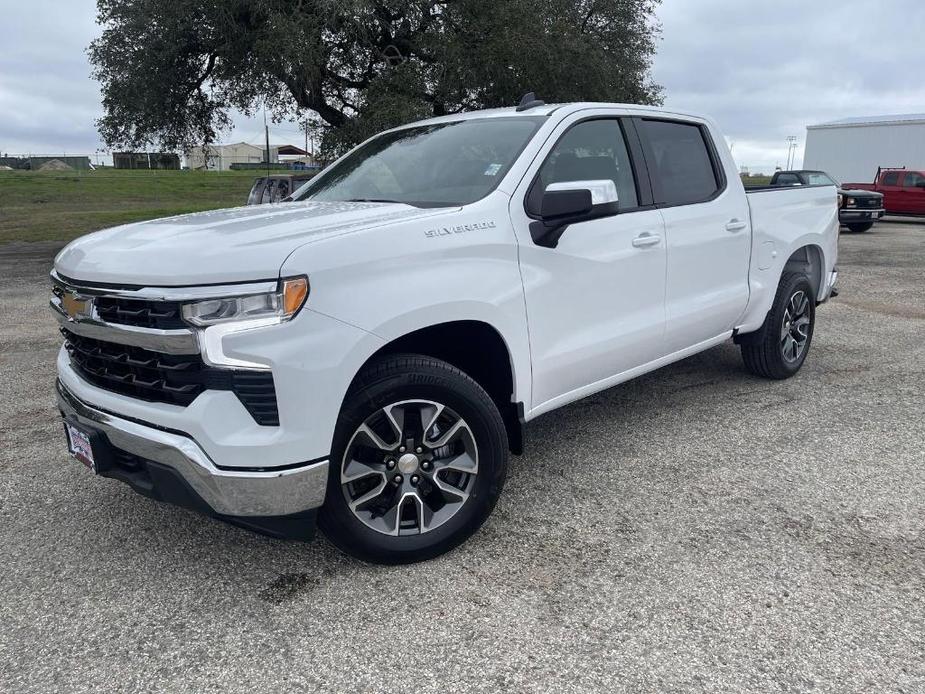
(852, 202)
(282, 304)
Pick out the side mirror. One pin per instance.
(571, 202)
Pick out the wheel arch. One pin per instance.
(806, 257)
(810, 260)
(477, 349)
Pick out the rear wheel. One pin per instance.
(779, 348)
(419, 460)
(860, 227)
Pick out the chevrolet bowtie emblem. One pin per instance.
(74, 305)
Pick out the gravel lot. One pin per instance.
(693, 530)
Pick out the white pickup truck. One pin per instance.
(365, 356)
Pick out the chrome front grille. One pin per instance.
(133, 341)
(137, 372)
(162, 315)
(172, 379)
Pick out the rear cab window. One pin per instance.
(890, 179)
(682, 162)
(788, 180)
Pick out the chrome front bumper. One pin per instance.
(227, 492)
(855, 214)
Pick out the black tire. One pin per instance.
(764, 351)
(397, 379)
(860, 227)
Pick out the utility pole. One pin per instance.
(267, 133)
(791, 150)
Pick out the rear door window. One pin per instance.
(788, 180)
(682, 165)
(914, 180)
(890, 179)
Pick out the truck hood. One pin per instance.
(222, 246)
(859, 193)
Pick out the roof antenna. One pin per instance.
(529, 101)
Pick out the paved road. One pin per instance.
(694, 530)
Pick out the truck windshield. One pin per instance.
(817, 178)
(438, 165)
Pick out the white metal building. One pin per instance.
(853, 148)
(221, 157)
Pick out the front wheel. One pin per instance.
(860, 227)
(419, 460)
(779, 348)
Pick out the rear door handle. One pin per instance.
(646, 239)
(735, 225)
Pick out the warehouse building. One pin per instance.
(853, 148)
(241, 154)
(145, 160)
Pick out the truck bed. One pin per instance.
(783, 218)
(769, 186)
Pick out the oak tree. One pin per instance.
(173, 71)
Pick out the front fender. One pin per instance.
(391, 281)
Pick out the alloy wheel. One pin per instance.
(794, 331)
(409, 467)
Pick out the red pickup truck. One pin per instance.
(903, 190)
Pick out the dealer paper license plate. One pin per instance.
(78, 443)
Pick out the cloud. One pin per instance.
(763, 70)
(767, 70)
(47, 100)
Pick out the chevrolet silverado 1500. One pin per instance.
(365, 357)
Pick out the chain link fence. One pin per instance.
(242, 156)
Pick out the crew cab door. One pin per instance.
(912, 197)
(892, 191)
(595, 303)
(707, 229)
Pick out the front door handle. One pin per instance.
(646, 239)
(735, 225)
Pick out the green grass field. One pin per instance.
(60, 206)
(756, 180)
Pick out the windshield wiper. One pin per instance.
(376, 200)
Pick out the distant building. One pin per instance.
(853, 148)
(221, 157)
(61, 163)
(145, 160)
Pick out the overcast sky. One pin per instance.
(763, 70)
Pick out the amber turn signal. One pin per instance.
(295, 291)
